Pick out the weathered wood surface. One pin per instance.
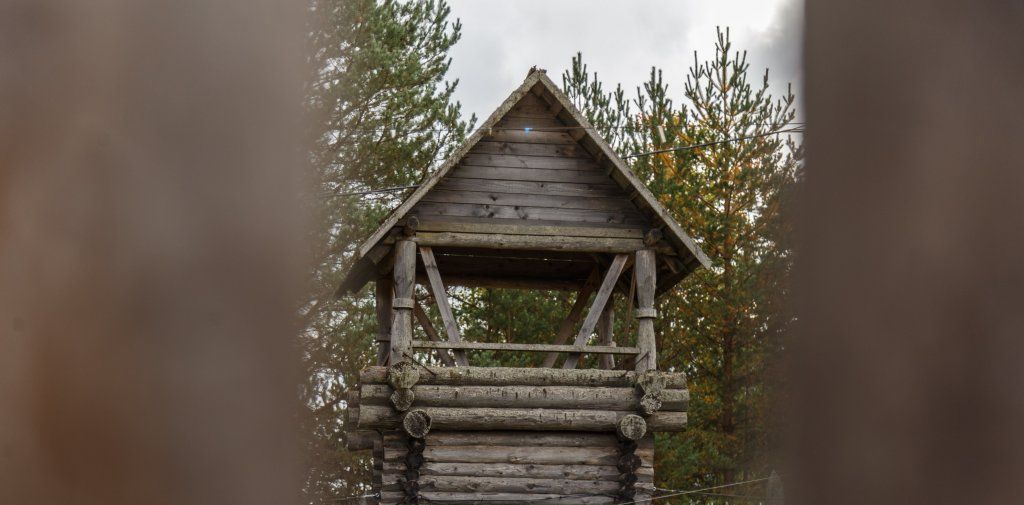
(600, 299)
(528, 470)
(646, 271)
(534, 242)
(361, 440)
(593, 176)
(523, 214)
(539, 165)
(535, 124)
(416, 423)
(509, 346)
(532, 228)
(506, 376)
(404, 284)
(631, 427)
(400, 212)
(486, 418)
(518, 149)
(532, 161)
(530, 200)
(532, 137)
(526, 455)
(442, 498)
(441, 298)
(519, 438)
(499, 484)
(595, 398)
(531, 187)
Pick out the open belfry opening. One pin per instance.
(536, 200)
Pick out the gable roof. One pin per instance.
(691, 253)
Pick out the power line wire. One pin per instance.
(676, 492)
(717, 142)
(538, 128)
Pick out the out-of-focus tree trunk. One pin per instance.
(149, 251)
(909, 376)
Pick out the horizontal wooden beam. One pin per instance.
(395, 451)
(516, 439)
(508, 376)
(570, 397)
(361, 440)
(489, 346)
(531, 242)
(476, 498)
(515, 470)
(490, 484)
(530, 229)
(381, 417)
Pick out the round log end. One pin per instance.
(649, 404)
(417, 424)
(632, 427)
(403, 375)
(402, 399)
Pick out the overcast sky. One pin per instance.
(620, 40)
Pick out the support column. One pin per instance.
(384, 319)
(646, 272)
(402, 303)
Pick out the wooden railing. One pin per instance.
(489, 346)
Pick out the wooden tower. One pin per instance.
(534, 199)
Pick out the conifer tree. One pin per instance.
(723, 326)
(384, 113)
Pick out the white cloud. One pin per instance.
(620, 40)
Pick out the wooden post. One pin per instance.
(384, 293)
(605, 336)
(403, 303)
(645, 313)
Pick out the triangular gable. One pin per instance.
(582, 132)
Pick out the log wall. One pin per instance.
(508, 435)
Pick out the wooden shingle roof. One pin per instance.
(517, 191)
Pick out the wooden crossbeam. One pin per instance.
(451, 327)
(605, 292)
(505, 346)
(428, 328)
(569, 323)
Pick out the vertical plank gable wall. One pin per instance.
(540, 178)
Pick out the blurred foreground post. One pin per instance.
(149, 251)
(912, 279)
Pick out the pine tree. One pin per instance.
(723, 326)
(384, 114)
